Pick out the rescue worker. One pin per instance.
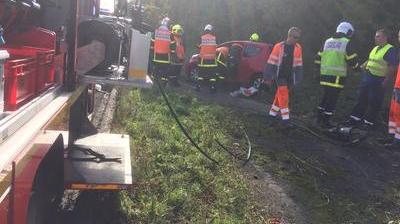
(285, 67)
(379, 68)
(208, 59)
(178, 55)
(255, 37)
(394, 114)
(162, 47)
(333, 60)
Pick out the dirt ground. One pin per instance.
(305, 179)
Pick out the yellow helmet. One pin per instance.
(177, 29)
(255, 37)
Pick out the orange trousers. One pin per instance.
(281, 103)
(394, 118)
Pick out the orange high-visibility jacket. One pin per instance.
(275, 61)
(208, 47)
(180, 48)
(162, 40)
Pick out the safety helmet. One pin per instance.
(165, 21)
(255, 37)
(208, 27)
(345, 28)
(177, 29)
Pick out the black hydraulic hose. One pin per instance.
(249, 149)
(183, 129)
(226, 149)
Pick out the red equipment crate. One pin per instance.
(19, 84)
(45, 64)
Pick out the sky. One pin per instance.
(107, 5)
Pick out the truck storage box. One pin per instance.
(45, 65)
(3, 56)
(19, 85)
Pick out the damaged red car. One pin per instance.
(244, 62)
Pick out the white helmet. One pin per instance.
(208, 27)
(165, 21)
(345, 28)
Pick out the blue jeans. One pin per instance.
(370, 98)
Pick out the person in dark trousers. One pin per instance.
(162, 45)
(208, 64)
(285, 67)
(178, 55)
(335, 57)
(377, 72)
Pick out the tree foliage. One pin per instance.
(237, 19)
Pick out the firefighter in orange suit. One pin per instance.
(178, 55)
(208, 64)
(162, 45)
(285, 68)
(394, 114)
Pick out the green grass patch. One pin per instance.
(174, 183)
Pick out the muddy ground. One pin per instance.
(307, 179)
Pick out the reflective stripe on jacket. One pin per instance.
(275, 61)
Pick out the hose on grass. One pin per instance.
(249, 149)
(182, 128)
(185, 132)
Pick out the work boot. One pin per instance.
(320, 115)
(196, 87)
(213, 89)
(325, 120)
(351, 122)
(326, 123)
(367, 126)
(164, 82)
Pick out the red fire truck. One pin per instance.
(51, 53)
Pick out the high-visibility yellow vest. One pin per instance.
(376, 64)
(333, 57)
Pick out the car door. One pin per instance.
(249, 62)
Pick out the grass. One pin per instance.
(174, 183)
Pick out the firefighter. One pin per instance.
(162, 46)
(394, 114)
(208, 59)
(379, 68)
(255, 37)
(333, 59)
(178, 55)
(285, 67)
